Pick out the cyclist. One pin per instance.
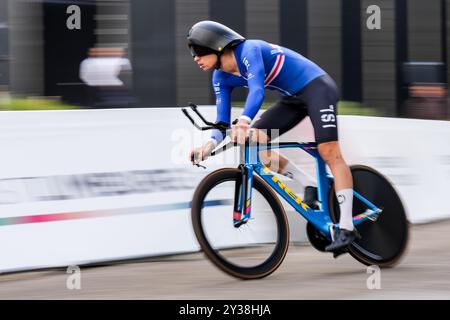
(305, 89)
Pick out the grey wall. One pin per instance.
(4, 45)
(378, 59)
(156, 26)
(113, 28)
(294, 25)
(324, 36)
(26, 47)
(154, 52)
(424, 30)
(193, 85)
(351, 88)
(263, 22)
(448, 40)
(447, 5)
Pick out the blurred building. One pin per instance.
(42, 56)
(4, 46)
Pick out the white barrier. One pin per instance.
(96, 185)
(104, 178)
(85, 186)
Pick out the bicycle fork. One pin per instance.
(243, 188)
(243, 196)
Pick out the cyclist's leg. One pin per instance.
(321, 97)
(275, 121)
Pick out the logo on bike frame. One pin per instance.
(287, 190)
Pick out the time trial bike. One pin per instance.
(242, 227)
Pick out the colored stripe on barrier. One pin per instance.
(53, 217)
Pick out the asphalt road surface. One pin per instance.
(424, 273)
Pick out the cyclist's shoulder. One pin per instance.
(267, 48)
(261, 47)
(260, 44)
(251, 44)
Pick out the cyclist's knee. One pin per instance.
(330, 152)
(265, 156)
(268, 157)
(261, 135)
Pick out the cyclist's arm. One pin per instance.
(223, 104)
(255, 82)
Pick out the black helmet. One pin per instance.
(211, 37)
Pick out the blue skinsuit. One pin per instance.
(261, 65)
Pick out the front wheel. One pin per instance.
(385, 240)
(250, 250)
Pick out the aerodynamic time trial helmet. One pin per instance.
(206, 37)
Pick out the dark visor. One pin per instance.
(200, 51)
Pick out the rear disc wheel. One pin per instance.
(385, 240)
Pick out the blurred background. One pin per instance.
(97, 186)
(133, 53)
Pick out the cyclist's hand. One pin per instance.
(201, 153)
(240, 131)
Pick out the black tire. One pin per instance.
(282, 241)
(385, 240)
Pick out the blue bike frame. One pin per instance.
(320, 218)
